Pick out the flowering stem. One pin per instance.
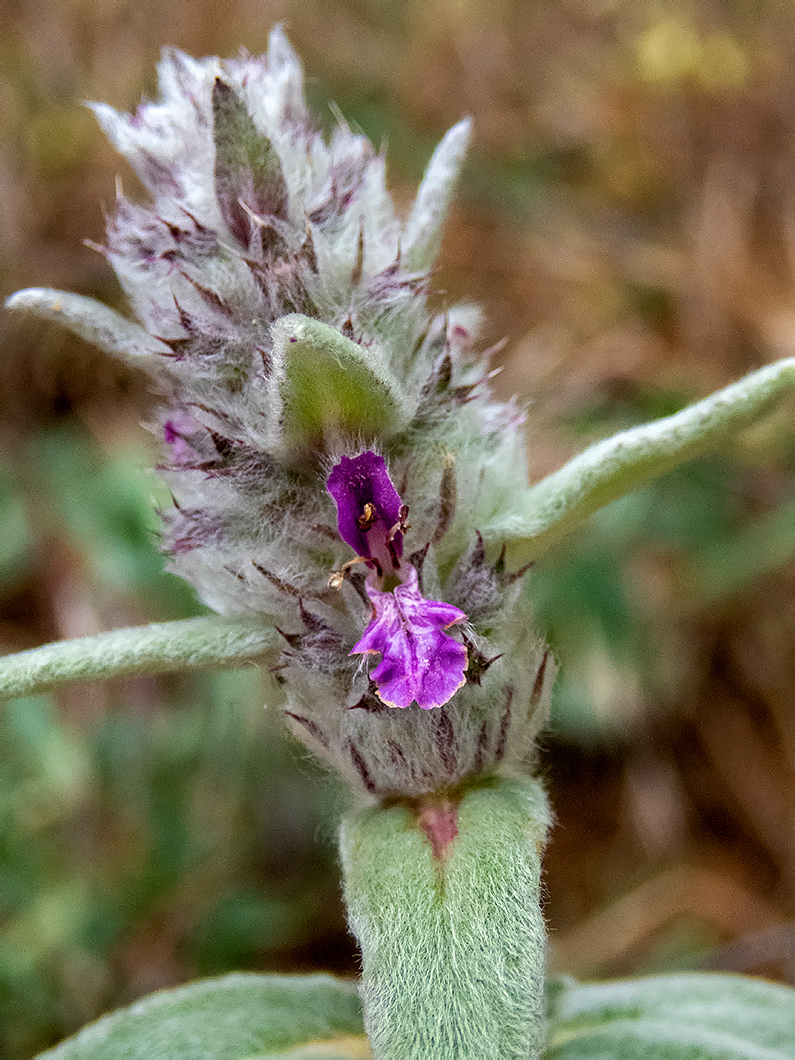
(617, 465)
(161, 647)
(444, 897)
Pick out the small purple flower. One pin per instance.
(419, 660)
(370, 513)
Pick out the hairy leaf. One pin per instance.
(162, 647)
(674, 1017)
(237, 1017)
(446, 908)
(617, 465)
(94, 322)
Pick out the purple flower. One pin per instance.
(370, 513)
(419, 660)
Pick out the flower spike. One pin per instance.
(282, 309)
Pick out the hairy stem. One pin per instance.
(444, 898)
(158, 648)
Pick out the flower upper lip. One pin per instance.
(370, 514)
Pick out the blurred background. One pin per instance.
(627, 218)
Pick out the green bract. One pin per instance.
(330, 388)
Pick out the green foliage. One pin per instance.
(257, 1017)
(616, 466)
(452, 948)
(676, 1017)
(138, 840)
(240, 1017)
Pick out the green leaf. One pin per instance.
(452, 936)
(330, 386)
(348, 1048)
(94, 322)
(617, 465)
(162, 647)
(237, 1017)
(675, 1017)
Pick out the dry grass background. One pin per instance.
(627, 218)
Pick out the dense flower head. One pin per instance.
(310, 403)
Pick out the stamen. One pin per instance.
(368, 517)
(338, 577)
(400, 527)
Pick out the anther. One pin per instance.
(337, 577)
(368, 517)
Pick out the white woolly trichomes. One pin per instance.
(283, 316)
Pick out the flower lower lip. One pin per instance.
(420, 661)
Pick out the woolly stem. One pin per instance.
(162, 647)
(444, 898)
(617, 465)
